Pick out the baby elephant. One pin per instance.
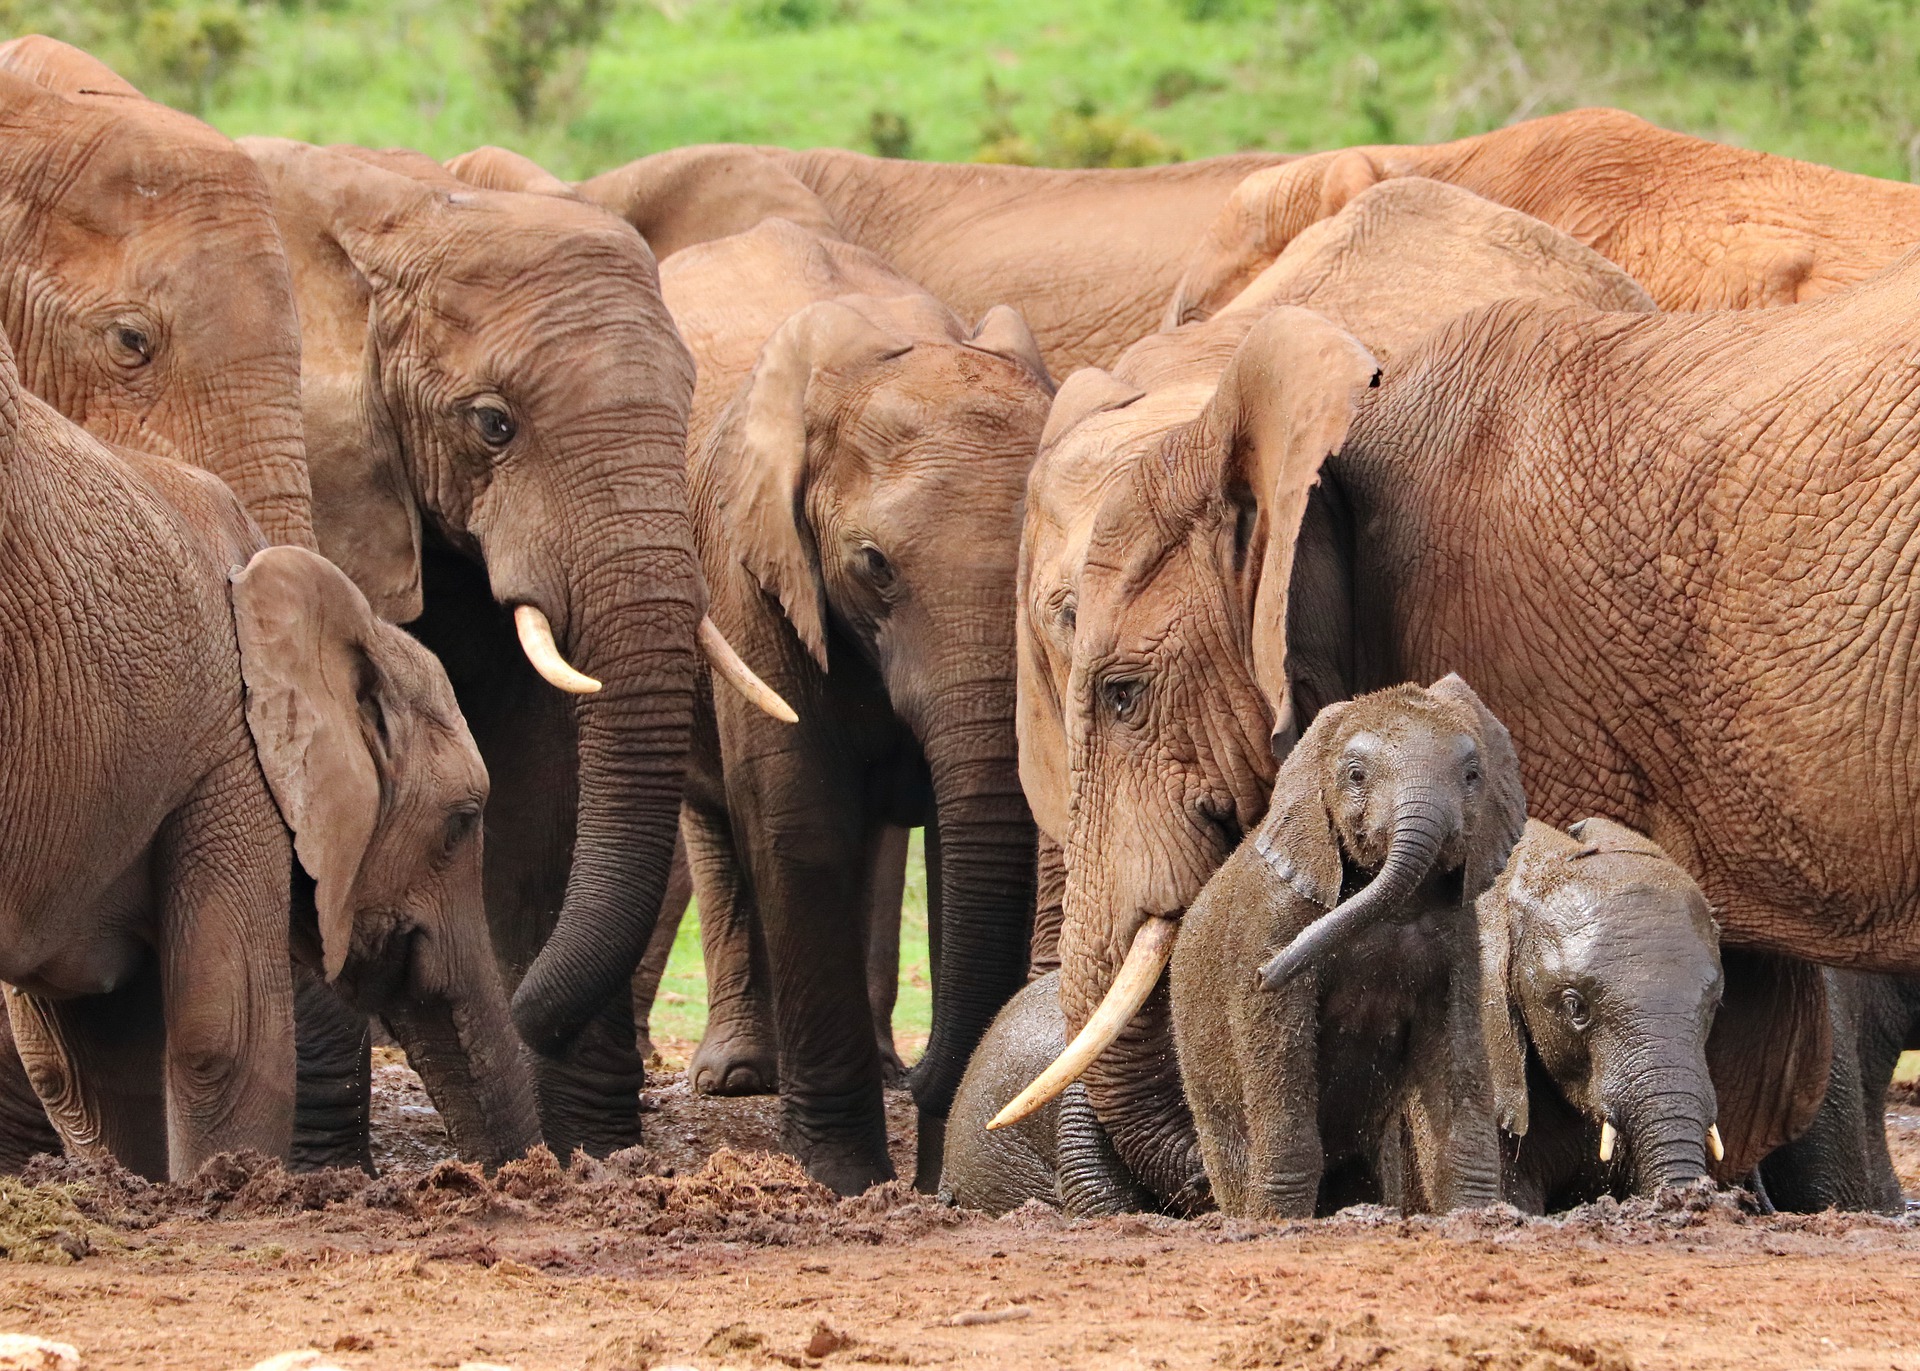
(1600, 967)
(1351, 1067)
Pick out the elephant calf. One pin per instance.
(1360, 1040)
(1600, 967)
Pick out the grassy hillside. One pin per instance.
(1061, 81)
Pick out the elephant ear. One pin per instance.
(1296, 839)
(695, 195)
(62, 68)
(496, 168)
(1283, 405)
(1769, 1053)
(1004, 332)
(758, 465)
(1502, 815)
(1089, 391)
(342, 219)
(315, 711)
(1501, 918)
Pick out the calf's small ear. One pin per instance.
(1499, 1016)
(1502, 814)
(1769, 1053)
(1296, 839)
(1003, 331)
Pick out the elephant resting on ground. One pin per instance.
(1600, 978)
(1359, 1040)
(1841, 1161)
(1059, 1154)
(1155, 573)
(856, 463)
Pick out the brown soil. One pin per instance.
(689, 1252)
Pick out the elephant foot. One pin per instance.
(842, 1141)
(733, 1064)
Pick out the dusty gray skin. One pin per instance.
(1308, 1070)
(1601, 972)
(1058, 1155)
(1841, 1161)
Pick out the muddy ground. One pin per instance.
(701, 1250)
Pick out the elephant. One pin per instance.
(1701, 225)
(1842, 1161)
(1600, 976)
(148, 294)
(147, 867)
(856, 461)
(1059, 1155)
(1354, 902)
(1087, 256)
(495, 403)
(1198, 445)
(1684, 611)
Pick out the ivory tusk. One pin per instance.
(741, 676)
(1607, 1137)
(1139, 973)
(1714, 1145)
(536, 640)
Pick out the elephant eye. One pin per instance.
(1122, 695)
(879, 571)
(461, 825)
(1575, 1005)
(1356, 773)
(495, 425)
(135, 348)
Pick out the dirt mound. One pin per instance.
(1364, 1343)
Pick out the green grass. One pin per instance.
(1056, 80)
(680, 1012)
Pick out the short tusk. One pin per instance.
(1139, 973)
(741, 676)
(536, 640)
(1608, 1135)
(1714, 1145)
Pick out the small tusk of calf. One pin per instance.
(1608, 1136)
(1714, 1145)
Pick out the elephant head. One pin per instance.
(1403, 787)
(146, 288)
(1170, 626)
(1601, 960)
(372, 767)
(501, 367)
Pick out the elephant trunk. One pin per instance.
(461, 1041)
(1134, 1088)
(986, 883)
(632, 629)
(1423, 821)
(1664, 1118)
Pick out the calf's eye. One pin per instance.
(1574, 1005)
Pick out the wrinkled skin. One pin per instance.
(1842, 1161)
(1601, 976)
(1058, 1155)
(1398, 808)
(1087, 257)
(1699, 224)
(1158, 550)
(857, 460)
(146, 286)
(147, 867)
(495, 405)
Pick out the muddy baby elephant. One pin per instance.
(1059, 1154)
(1326, 984)
(1600, 972)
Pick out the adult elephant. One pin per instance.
(1650, 601)
(1087, 257)
(495, 409)
(145, 282)
(857, 459)
(1701, 225)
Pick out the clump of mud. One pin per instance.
(757, 1198)
(43, 1223)
(1321, 1345)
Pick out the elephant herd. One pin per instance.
(418, 581)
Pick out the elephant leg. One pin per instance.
(1453, 1143)
(333, 1093)
(25, 1130)
(886, 884)
(653, 966)
(1276, 1046)
(1050, 889)
(223, 864)
(737, 1055)
(97, 1064)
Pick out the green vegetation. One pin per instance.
(584, 84)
